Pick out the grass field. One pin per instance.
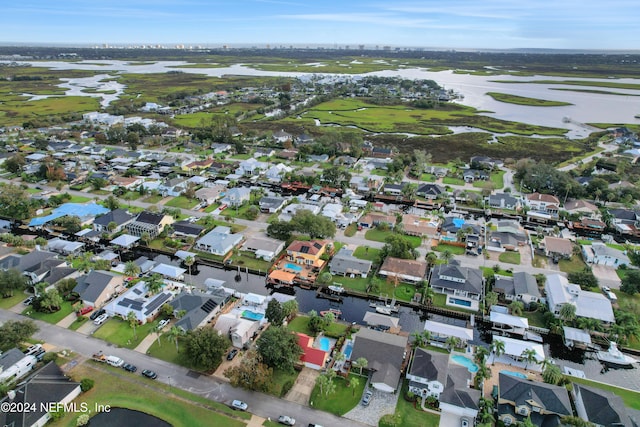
(118, 331)
(510, 257)
(20, 111)
(120, 389)
(365, 252)
(377, 235)
(249, 260)
(572, 265)
(523, 100)
(342, 400)
(165, 349)
(182, 202)
(357, 284)
(152, 199)
(52, 318)
(455, 250)
(7, 303)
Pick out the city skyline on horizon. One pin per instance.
(459, 24)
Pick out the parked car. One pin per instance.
(232, 354)
(33, 349)
(163, 323)
(101, 319)
(239, 405)
(115, 361)
(84, 310)
(314, 425)
(28, 301)
(286, 420)
(149, 374)
(366, 398)
(39, 355)
(129, 367)
(97, 314)
(606, 289)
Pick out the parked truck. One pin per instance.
(99, 357)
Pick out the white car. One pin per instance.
(239, 405)
(33, 349)
(163, 323)
(606, 289)
(101, 319)
(286, 420)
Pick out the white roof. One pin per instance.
(125, 240)
(578, 335)
(168, 270)
(377, 319)
(254, 299)
(184, 255)
(508, 319)
(588, 304)
(445, 329)
(210, 282)
(514, 348)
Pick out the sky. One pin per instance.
(474, 24)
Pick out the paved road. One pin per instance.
(260, 404)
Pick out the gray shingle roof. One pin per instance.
(603, 407)
(456, 392)
(92, 285)
(119, 216)
(430, 366)
(472, 278)
(551, 398)
(383, 351)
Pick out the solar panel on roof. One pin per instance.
(208, 306)
(157, 302)
(305, 249)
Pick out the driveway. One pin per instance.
(381, 404)
(301, 390)
(448, 419)
(606, 275)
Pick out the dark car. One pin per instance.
(39, 355)
(97, 314)
(232, 354)
(129, 367)
(28, 301)
(149, 374)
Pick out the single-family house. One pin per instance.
(545, 203)
(281, 136)
(602, 408)
(600, 253)
(199, 307)
(503, 201)
(276, 172)
(427, 373)
(522, 286)
(312, 357)
(236, 196)
(265, 248)
(556, 247)
(251, 167)
(381, 322)
(36, 265)
(238, 329)
(173, 187)
(271, 204)
(414, 225)
(64, 247)
(441, 331)
(187, 229)
(345, 264)
(624, 216)
(404, 270)
(307, 252)
(472, 175)
(263, 152)
(429, 191)
(45, 388)
(592, 305)
(98, 287)
(148, 222)
(218, 241)
(130, 183)
(117, 218)
(385, 355)
(138, 300)
(197, 166)
(507, 323)
(484, 162)
(519, 399)
(582, 207)
(210, 195)
(374, 219)
(463, 283)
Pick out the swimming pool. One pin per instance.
(514, 374)
(252, 315)
(462, 302)
(347, 351)
(466, 362)
(325, 344)
(293, 267)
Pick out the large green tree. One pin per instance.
(14, 332)
(584, 278)
(275, 313)
(11, 281)
(316, 226)
(204, 348)
(398, 246)
(15, 202)
(251, 373)
(279, 348)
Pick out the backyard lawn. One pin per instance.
(249, 260)
(300, 324)
(182, 202)
(129, 391)
(166, 349)
(536, 318)
(510, 257)
(52, 318)
(455, 250)
(357, 284)
(402, 291)
(342, 400)
(118, 331)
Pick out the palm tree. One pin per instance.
(516, 308)
(133, 322)
(552, 374)
(497, 348)
(361, 363)
(482, 374)
(131, 269)
(429, 294)
(446, 255)
(431, 258)
(451, 343)
(175, 333)
(481, 355)
(354, 382)
(529, 356)
(418, 339)
(567, 313)
(146, 238)
(154, 283)
(589, 324)
(490, 299)
(189, 261)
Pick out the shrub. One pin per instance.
(86, 384)
(83, 420)
(286, 387)
(50, 357)
(391, 420)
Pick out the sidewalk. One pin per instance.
(18, 308)
(256, 421)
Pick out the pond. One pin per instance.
(123, 417)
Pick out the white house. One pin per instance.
(276, 172)
(251, 166)
(593, 305)
(239, 330)
(218, 241)
(427, 374)
(137, 300)
(236, 196)
(599, 253)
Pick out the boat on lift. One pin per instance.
(614, 358)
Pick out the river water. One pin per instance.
(587, 107)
